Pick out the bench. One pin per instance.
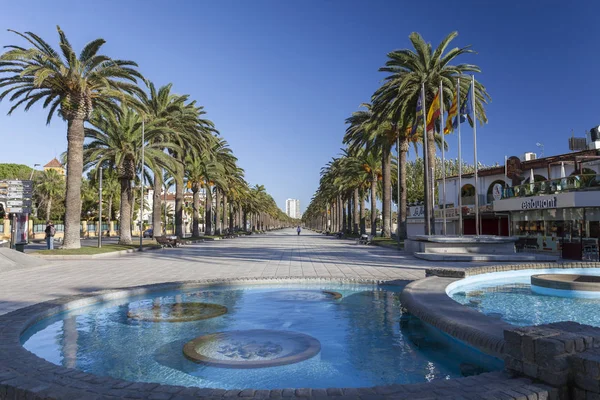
(164, 241)
(365, 239)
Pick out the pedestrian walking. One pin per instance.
(50, 232)
(298, 230)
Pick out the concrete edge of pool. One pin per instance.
(23, 375)
(461, 322)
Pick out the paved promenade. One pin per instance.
(275, 254)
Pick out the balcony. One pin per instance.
(554, 186)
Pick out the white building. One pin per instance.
(551, 203)
(292, 208)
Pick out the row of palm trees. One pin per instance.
(366, 168)
(112, 111)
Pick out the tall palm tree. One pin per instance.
(193, 137)
(116, 140)
(409, 69)
(72, 86)
(49, 184)
(170, 108)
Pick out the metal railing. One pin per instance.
(553, 186)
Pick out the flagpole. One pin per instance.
(443, 160)
(460, 216)
(475, 155)
(425, 164)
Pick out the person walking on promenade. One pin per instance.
(50, 232)
(298, 230)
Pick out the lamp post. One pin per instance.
(541, 146)
(89, 213)
(33, 170)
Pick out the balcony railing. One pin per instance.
(553, 186)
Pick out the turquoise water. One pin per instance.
(508, 296)
(362, 342)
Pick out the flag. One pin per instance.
(466, 110)
(451, 122)
(434, 112)
(418, 115)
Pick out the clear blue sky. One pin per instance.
(279, 77)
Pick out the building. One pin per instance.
(55, 165)
(551, 204)
(292, 208)
(169, 200)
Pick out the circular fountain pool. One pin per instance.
(509, 296)
(313, 335)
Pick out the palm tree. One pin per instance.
(409, 69)
(72, 86)
(49, 184)
(116, 140)
(110, 190)
(171, 109)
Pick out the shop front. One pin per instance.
(566, 223)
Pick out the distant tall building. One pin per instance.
(292, 208)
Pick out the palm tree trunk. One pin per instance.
(75, 136)
(208, 211)
(125, 211)
(363, 222)
(374, 205)
(431, 158)
(340, 210)
(179, 200)
(156, 204)
(356, 220)
(386, 203)
(217, 211)
(403, 193)
(344, 216)
(196, 216)
(48, 208)
(225, 212)
(349, 216)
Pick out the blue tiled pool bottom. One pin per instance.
(362, 343)
(508, 296)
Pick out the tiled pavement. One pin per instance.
(275, 254)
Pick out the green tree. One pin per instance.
(15, 171)
(409, 69)
(72, 86)
(49, 187)
(116, 140)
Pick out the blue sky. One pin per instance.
(278, 78)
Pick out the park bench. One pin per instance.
(164, 241)
(229, 235)
(365, 239)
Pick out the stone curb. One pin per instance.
(461, 322)
(23, 375)
(119, 253)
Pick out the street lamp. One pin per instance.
(33, 170)
(541, 146)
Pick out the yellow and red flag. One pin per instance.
(434, 112)
(451, 122)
